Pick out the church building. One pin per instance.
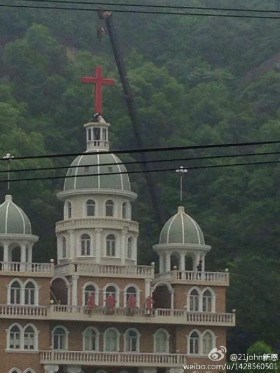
(94, 309)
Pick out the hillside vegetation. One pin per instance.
(196, 80)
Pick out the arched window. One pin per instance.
(194, 300)
(125, 210)
(109, 208)
(15, 370)
(29, 371)
(15, 293)
(130, 292)
(161, 341)
(194, 343)
(60, 338)
(68, 209)
(131, 340)
(90, 339)
(207, 301)
(129, 247)
(64, 252)
(90, 290)
(111, 340)
(29, 338)
(207, 343)
(29, 293)
(111, 291)
(111, 245)
(85, 245)
(14, 337)
(90, 207)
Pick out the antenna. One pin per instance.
(8, 157)
(181, 171)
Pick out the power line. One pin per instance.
(149, 150)
(126, 163)
(155, 6)
(142, 12)
(151, 170)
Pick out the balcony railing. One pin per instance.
(23, 312)
(112, 358)
(106, 270)
(215, 278)
(34, 268)
(141, 315)
(96, 223)
(118, 315)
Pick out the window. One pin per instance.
(110, 245)
(29, 293)
(85, 244)
(111, 291)
(64, 247)
(29, 338)
(111, 340)
(59, 338)
(194, 343)
(96, 133)
(15, 370)
(125, 210)
(129, 247)
(90, 207)
(109, 208)
(90, 290)
(207, 301)
(89, 134)
(131, 341)
(104, 134)
(131, 292)
(161, 341)
(15, 292)
(207, 343)
(194, 300)
(68, 209)
(90, 339)
(14, 337)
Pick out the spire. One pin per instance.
(181, 171)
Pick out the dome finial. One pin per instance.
(181, 171)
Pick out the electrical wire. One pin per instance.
(142, 12)
(146, 150)
(137, 172)
(126, 163)
(180, 7)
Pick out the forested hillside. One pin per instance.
(196, 80)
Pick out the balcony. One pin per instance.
(117, 315)
(89, 223)
(105, 270)
(8, 311)
(140, 316)
(194, 277)
(112, 359)
(27, 269)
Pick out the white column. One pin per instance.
(23, 253)
(161, 263)
(6, 254)
(147, 288)
(74, 369)
(171, 299)
(203, 263)
(72, 245)
(176, 370)
(123, 247)
(74, 300)
(167, 262)
(98, 245)
(182, 266)
(51, 368)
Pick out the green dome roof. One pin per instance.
(92, 165)
(13, 219)
(181, 229)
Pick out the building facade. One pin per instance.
(96, 310)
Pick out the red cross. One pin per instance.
(99, 81)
